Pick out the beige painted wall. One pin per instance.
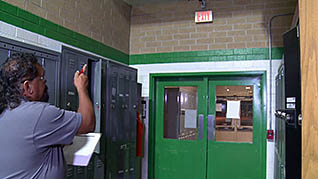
(170, 27)
(106, 21)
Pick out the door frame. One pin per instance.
(155, 77)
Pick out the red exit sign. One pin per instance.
(203, 16)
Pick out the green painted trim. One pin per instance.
(151, 127)
(154, 77)
(264, 114)
(26, 20)
(207, 56)
(214, 74)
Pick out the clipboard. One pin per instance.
(81, 150)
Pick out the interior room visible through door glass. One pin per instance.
(234, 114)
(180, 112)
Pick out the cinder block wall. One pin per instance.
(106, 21)
(170, 27)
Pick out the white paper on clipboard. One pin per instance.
(81, 150)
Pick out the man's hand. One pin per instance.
(80, 79)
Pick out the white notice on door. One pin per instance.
(190, 117)
(233, 109)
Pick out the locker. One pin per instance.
(4, 53)
(115, 108)
(133, 122)
(68, 98)
(288, 111)
(117, 152)
(70, 172)
(133, 104)
(121, 113)
(71, 62)
(90, 168)
(98, 168)
(132, 161)
(113, 90)
(122, 119)
(80, 172)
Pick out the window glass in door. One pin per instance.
(234, 113)
(180, 111)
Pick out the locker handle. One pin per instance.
(211, 127)
(43, 62)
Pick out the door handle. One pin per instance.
(211, 127)
(201, 119)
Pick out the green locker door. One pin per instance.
(209, 128)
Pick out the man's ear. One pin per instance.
(27, 89)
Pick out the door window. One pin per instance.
(180, 112)
(234, 113)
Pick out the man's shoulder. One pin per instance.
(35, 105)
(41, 106)
(28, 103)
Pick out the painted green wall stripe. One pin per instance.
(65, 31)
(8, 8)
(28, 16)
(32, 27)
(207, 56)
(48, 24)
(5, 17)
(26, 20)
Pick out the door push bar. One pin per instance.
(201, 126)
(211, 127)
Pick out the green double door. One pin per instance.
(209, 128)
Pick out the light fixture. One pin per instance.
(203, 4)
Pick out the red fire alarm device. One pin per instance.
(270, 135)
(203, 16)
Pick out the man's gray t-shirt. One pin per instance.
(32, 136)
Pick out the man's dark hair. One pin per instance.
(13, 72)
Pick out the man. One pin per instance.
(32, 132)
